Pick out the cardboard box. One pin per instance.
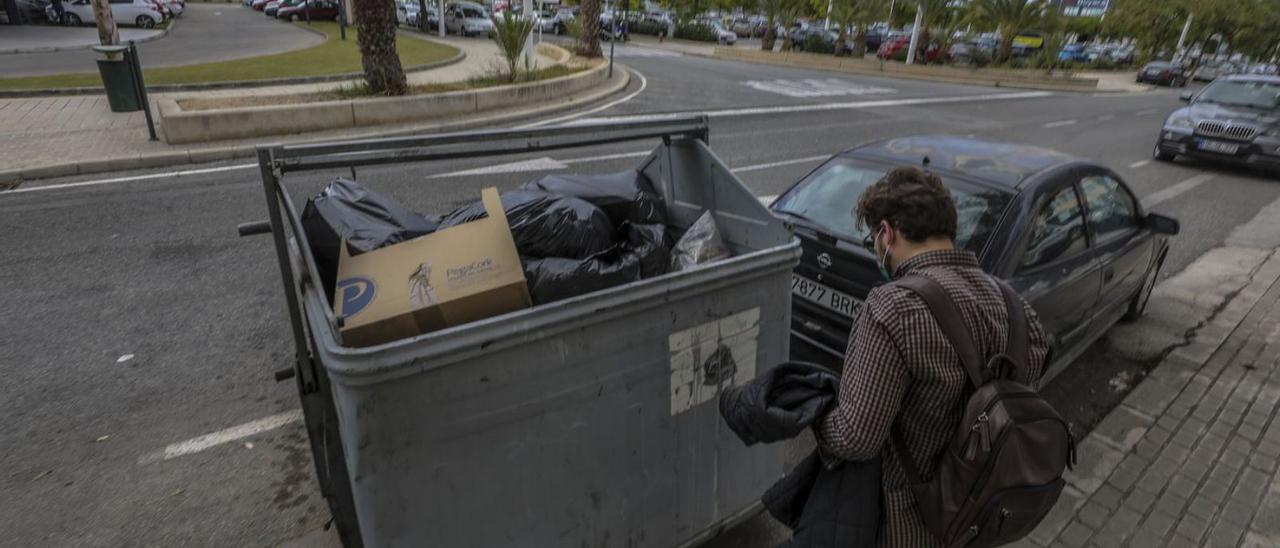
(450, 277)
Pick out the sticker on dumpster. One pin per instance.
(708, 357)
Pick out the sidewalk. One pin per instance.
(1190, 457)
(65, 135)
(44, 38)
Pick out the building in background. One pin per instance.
(1085, 8)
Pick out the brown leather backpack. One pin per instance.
(1002, 472)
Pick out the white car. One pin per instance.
(407, 12)
(467, 19)
(724, 36)
(126, 12)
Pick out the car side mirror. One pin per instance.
(1161, 224)
(1186, 97)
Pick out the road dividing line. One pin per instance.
(1137, 165)
(1156, 198)
(619, 156)
(644, 83)
(812, 107)
(198, 444)
(164, 175)
(1060, 123)
(758, 167)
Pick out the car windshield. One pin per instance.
(1264, 95)
(828, 195)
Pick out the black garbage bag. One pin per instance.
(547, 225)
(624, 196)
(346, 210)
(644, 254)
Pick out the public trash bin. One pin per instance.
(118, 80)
(589, 421)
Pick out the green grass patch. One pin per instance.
(334, 56)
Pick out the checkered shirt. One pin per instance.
(900, 369)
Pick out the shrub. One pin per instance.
(815, 43)
(652, 28)
(697, 32)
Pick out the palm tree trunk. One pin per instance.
(860, 43)
(1006, 48)
(589, 41)
(770, 36)
(108, 34)
(841, 40)
(376, 34)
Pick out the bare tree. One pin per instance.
(376, 34)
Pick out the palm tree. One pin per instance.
(510, 33)
(376, 34)
(845, 15)
(790, 15)
(772, 10)
(589, 40)
(865, 13)
(1009, 17)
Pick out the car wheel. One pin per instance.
(1161, 155)
(294, 18)
(71, 19)
(146, 22)
(1138, 306)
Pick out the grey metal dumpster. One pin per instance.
(586, 422)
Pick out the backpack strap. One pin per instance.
(952, 323)
(1017, 347)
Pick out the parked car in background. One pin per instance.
(874, 37)
(894, 47)
(1235, 119)
(319, 10)
(1163, 73)
(274, 6)
(407, 12)
(1122, 55)
(1068, 234)
(724, 36)
(260, 5)
(1073, 53)
(467, 19)
(141, 13)
(1209, 72)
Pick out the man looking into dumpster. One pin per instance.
(900, 371)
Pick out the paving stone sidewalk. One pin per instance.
(1190, 457)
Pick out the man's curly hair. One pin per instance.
(913, 201)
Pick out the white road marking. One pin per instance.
(164, 175)
(758, 167)
(1146, 112)
(634, 51)
(1156, 198)
(766, 200)
(535, 164)
(198, 444)
(1139, 164)
(1106, 117)
(637, 154)
(1060, 123)
(644, 83)
(814, 87)
(818, 107)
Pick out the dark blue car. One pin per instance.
(1066, 233)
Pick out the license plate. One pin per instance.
(823, 296)
(1219, 147)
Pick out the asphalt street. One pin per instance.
(204, 33)
(138, 319)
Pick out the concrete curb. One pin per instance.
(182, 126)
(163, 33)
(249, 84)
(13, 178)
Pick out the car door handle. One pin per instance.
(1108, 274)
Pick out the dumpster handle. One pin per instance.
(271, 184)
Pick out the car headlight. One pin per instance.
(1179, 121)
